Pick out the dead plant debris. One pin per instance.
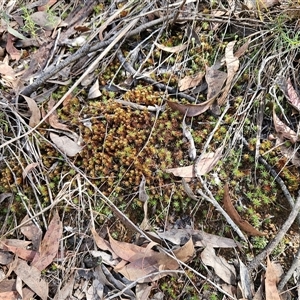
(123, 126)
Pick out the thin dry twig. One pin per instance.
(279, 236)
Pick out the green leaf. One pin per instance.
(15, 33)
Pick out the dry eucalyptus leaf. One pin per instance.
(215, 80)
(191, 110)
(94, 91)
(241, 51)
(190, 81)
(35, 112)
(221, 267)
(271, 281)
(65, 144)
(234, 215)
(283, 130)
(232, 65)
(293, 97)
(45, 20)
(290, 153)
(31, 276)
(32, 232)
(174, 49)
(5, 69)
(14, 53)
(53, 119)
(246, 284)
(49, 245)
(19, 248)
(205, 165)
(28, 169)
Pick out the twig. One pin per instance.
(277, 179)
(279, 236)
(215, 203)
(289, 273)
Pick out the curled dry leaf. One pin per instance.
(44, 20)
(232, 65)
(31, 276)
(148, 264)
(28, 169)
(242, 224)
(293, 97)
(53, 119)
(49, 245)
(271, 281)
(174, 49)
(283, 130)
(94, 91)
(65, 144)
(18, 247)
(191, 110)
(190, 81)
(35, 112)
(215, 80)
(221, 267)
(204, 165)
(32, 232)
(290, 153)
(14, 53)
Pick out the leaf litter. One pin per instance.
(215, 82)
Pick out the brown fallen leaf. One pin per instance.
(53, 119)
(156, 262)
(215, 80)
(102, 243)
(31, 276)
(45, 20)
(6, 69)
(232, 65)
(142, 267)
(271, 281)
(190, 81)
(8, 290)
(283, 130)
(241, 51)
(32, 232)
(49, 245)
(289, 152)
(128, 251)
(65, 144)
(47, 5)
(293, 97)
(221, 267)
(5, 258)
(28, 168)
(18, 247)
(174, 49)
(233, 214)
(191, 110)
(186, 252)
(14, 53)
(35, 112)
(205, 165)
